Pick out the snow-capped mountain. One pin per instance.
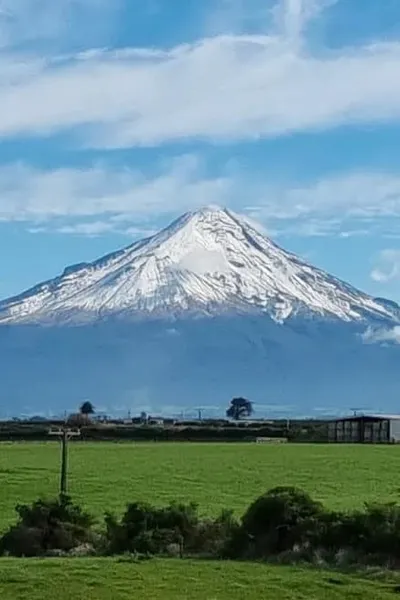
(207, 309)
(208, 262)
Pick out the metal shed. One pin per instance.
(365, 429)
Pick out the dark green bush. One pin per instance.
(213, 537)
(279, 520)
(47, 525)
(373, 532)
(145, 529)
(287, 523)
(284, 525)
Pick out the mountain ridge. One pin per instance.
(207, 262)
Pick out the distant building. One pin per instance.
(365, 429)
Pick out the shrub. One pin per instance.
(284, 525)
(213, 537)
(146, 529)
(47, 525)
(372, 534)
(279, 520)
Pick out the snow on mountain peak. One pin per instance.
(208, 261)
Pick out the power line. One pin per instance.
(64, 434)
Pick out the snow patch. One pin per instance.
(202, 262)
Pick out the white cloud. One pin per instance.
(311, 227)
(257, 225)
(227, 87)
(91, 229)
(354, 233)
(387, 267)
(103, 198)
(295, 15)
(357, 195)
(98, 228)
(36, 196)
(382, 335)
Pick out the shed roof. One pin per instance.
(376, 417)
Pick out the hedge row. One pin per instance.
(163, 434)
(284, 525)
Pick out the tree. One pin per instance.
(87, 408)
(239, 408)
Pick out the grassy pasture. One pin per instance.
(108, 475)
(110, 579)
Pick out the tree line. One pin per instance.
(239, 408)
(237, 428)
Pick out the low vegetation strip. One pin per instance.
(239, 431)
(284, 525)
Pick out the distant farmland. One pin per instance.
(105, 476)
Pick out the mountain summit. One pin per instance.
(206, 310)
(208, 262)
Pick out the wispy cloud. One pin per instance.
(98, 228)
(357, 195)
(37, 196)
(295, 15)
(90, 229)
(226, 87)
(31, 21)
(105, 198)
(387, 266)
(238, 17)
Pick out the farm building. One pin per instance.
(365, 429)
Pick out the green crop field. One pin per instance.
(105, 476)
(109, 579)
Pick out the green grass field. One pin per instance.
(106, 579)
(107, 476)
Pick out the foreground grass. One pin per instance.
(108, 475)
(109, 579)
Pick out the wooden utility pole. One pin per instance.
(64, 434)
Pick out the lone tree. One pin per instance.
(239, 408)
(86, 408)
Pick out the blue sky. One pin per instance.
(118, 115)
